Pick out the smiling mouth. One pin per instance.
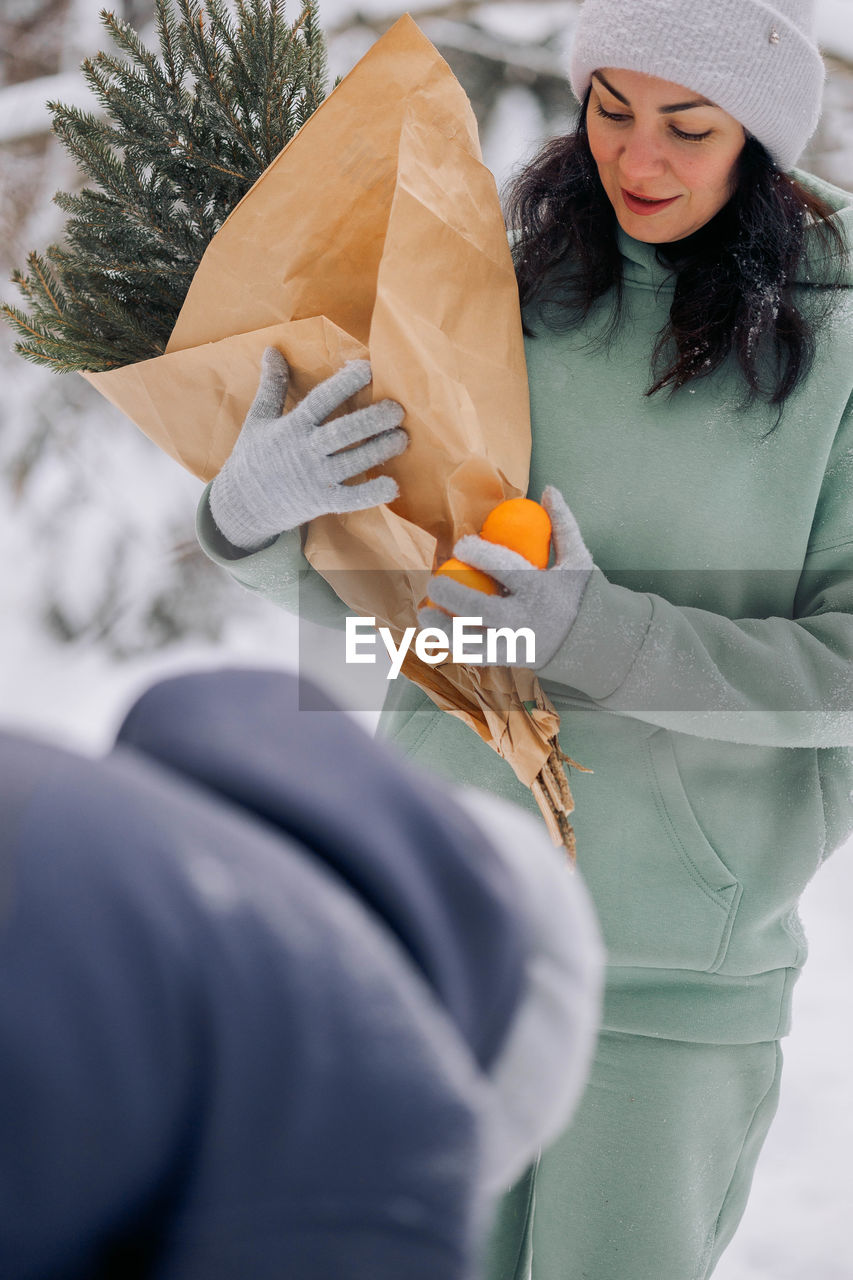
(649, 200)
(645, 205)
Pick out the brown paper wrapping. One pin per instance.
(376, 230)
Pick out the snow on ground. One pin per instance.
(75, 697)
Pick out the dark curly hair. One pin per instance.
(733, 290)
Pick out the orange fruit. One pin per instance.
(522, 525)
(461, 572)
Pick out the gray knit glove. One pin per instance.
(546, 600)
(286, 469)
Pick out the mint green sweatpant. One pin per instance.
(651, 1178)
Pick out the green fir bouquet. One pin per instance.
(183, 135)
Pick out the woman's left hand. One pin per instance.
(544, 600)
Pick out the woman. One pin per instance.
(690, 356)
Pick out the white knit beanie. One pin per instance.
(757, 61)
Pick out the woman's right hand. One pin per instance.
(288, 468)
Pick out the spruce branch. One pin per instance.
(185, 132)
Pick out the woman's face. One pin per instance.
(666, 156)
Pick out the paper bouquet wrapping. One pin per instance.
(377, 232)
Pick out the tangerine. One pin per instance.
(518, 523)
(522, 525)
(468, 576)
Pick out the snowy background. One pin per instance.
(103, 587)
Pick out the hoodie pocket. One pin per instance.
(664, 896)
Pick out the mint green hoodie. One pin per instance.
(708, 677)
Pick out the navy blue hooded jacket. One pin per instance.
(251, 969)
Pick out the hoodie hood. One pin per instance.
(819, 267)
